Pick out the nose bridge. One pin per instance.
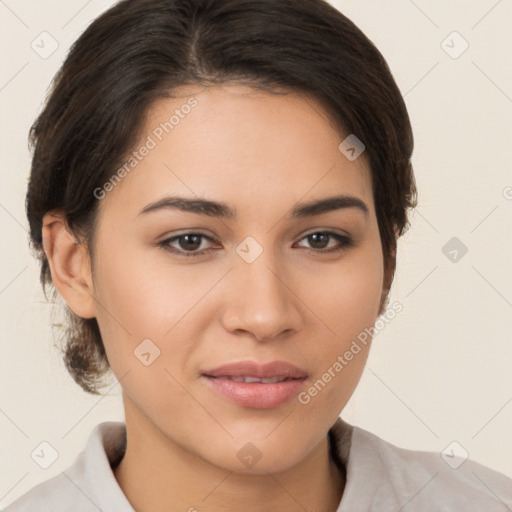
(259, 300)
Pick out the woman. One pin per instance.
(216, 193)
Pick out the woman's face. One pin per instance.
(258, 286)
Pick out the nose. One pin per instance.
(260, 300)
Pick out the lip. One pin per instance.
(256, 395)
(253, 369)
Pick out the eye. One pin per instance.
(319, 241)
(189, 244)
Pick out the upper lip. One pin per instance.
(253, 369)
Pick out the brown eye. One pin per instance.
(186, 244)
(319, 241)
(189, 242)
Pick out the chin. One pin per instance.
(258, 458)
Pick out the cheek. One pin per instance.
(142, 300)
(347, 296)
(142, 297)
(129, 308)
(347, 304)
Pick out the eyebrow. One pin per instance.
(222, 210)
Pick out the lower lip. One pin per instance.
(256, 394)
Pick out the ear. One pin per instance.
(69, 265)
(389, 270)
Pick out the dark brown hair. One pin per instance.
(142, 50)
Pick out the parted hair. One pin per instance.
(139, 51)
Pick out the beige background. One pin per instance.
(441, 370)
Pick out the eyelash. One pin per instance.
(345, 241)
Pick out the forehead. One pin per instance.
(250, 149)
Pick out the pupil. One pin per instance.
(316, 238)
(191, 245)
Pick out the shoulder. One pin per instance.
(89, 484)
(390, 476)
(57, 494)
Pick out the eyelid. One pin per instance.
(165, 243)
(332, 231)
(346, 241)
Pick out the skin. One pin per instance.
(262, 154)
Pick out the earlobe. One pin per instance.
(69, 265)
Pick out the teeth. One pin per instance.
(270, 380)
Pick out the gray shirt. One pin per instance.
(380, 477)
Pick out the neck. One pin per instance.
(158, 475)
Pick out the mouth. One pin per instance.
(252, 370)
(251, 379)
(254, 385)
